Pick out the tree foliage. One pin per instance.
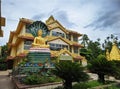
(107, 44)
(87, 53)
(84, 40)
(91, 48)
(95, 48)
(70, 72)
(4, 53)
(102, 67)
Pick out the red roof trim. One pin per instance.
(22, 55)
(10, 58)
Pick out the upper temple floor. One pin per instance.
(58, 37)
(54, 27)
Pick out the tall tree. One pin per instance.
(84, 40)
(86, 53)
(69, 72)
(95, 48)
(109, 41)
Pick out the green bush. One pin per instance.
(80, 86)
(31, 80)
(59, 87)
(3, 66)
(93, 84)
(53, 79)
(90, 84)
(112, 87)
(37, 79)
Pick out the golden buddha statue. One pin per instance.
(39, 42)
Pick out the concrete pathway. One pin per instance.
(5, 81)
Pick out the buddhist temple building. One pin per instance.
(114, 54)
(63, 42)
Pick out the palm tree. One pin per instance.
(102, 67)
(112, 36)
(108, 38)
(98, 39)
(85, 40)
(69, 72)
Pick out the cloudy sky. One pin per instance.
(96, 18)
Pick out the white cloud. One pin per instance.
(77, 12)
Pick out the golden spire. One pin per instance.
(115, 52)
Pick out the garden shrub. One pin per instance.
(38, 79)
(31, 80)
(3, 66)
(80, 86)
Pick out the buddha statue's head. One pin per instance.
(40, 32)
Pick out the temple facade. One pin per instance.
(63, 42)
(114, 54)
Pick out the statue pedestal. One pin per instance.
(39, 55)
(38, 59)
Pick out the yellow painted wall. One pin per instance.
(23, 30)
(20, 47)
(72, 49)
(71, 37)
(13, 52)
(14, 39)
(78, 51)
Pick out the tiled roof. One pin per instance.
(74, 32)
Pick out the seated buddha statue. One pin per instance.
(39, 42)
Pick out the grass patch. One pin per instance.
(113, 87)
(85, 85)
(91, 84)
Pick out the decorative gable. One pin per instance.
(50, 20)
(65, 54)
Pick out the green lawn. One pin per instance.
(91, 84)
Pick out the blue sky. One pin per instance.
(96, 18)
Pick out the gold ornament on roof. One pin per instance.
(39, 41)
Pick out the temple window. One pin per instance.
(70, 49)
(75, 38)
(27, 44)
(54, 33)
(75, 49)
(68, 36)
(57, 46)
